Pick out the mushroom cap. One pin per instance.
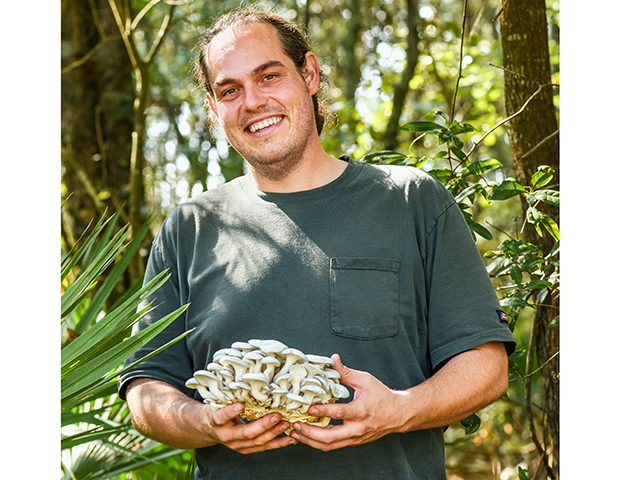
(293, 352)
(320, 360)
(338, 390)
(272, 346)
(255, 377)
(255, 342)
(297, 398)
(214, 366)
(233, 361)
(254, 355)
(332, 374)
(313, 389)
(269, 360)
(192, 383)
(204, 374)
(242, 346)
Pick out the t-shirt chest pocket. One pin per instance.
(364, 297)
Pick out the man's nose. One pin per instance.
(254, 98)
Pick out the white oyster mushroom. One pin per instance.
(257, 381)
(205, 377)
(276, 396)
(241, 391)
(255, 343)
(291, 356)
(282, 380)
(272, 347)
(239, 366)
(202, 389)
(243, 346)
(312, 392)
(298, 373)
(320, 360)
(338, 390)
(296, 401)
(269, 365)
(332, 374)
(253, 358)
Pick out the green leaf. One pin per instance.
(536, 284)
(441, 175)
(479, 229)
(514, 302)
(424, 126)
(542, 177)
(457, 128)
(384, 156)
(516, 274)
(507, 189)
(523, 474)
(471, 424)
(94, 370)
(552, 197)
(482, 166)
(555, 322)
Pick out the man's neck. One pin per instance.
(314, 173)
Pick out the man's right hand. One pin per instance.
(165, 414)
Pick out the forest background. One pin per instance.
(589, 207)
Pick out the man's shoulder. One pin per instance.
(204, 205)
(409, 180)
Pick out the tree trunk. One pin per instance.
(390, 135)
(525, 47)
(96, 120)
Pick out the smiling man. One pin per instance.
(374, 264)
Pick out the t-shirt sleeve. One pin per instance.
(463, 309)
(173, 365)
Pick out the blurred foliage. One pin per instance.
(362, 45)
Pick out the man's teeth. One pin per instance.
(264, 124)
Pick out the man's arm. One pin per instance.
(466, 383)
(163, 413)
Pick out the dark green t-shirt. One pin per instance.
(378, 266)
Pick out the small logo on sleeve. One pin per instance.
(503, 317)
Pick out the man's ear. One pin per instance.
(311, 72)
(212, 105)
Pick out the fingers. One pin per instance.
(259, 435)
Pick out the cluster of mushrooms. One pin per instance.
(268, 376)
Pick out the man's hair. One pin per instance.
(294, 42)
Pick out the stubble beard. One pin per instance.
(275, 159)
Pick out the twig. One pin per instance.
(504, 5)
(455, 92)
(143, 12)
(88, 55)
(542, 142)
(161, 33)
(510, 117)
(543, 365)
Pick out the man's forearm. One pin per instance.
(465, 384)
(163, 413)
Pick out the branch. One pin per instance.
(504, 5)
(511, 117)
(455, 92)
(542, 142)
(143, 12)
(543, 365)
(161, 33)
(88, 55)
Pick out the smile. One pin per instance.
(264, 124)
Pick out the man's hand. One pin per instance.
(374, 412)
(466, 383)
(163, 413)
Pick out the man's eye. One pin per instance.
(229, 91)
(270, 77)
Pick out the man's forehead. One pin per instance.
(232, 39)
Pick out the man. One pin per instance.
(330, 256)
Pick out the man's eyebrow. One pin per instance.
(259, 69)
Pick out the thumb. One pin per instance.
(348, 376)
(227, 413)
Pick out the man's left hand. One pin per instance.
(375, 411)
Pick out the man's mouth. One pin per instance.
(256, 127)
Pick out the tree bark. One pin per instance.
(390, 135)
(525, 47)
(96, 120)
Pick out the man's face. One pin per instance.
(261, 100)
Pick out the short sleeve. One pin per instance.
(173, 365)
(463, 309)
